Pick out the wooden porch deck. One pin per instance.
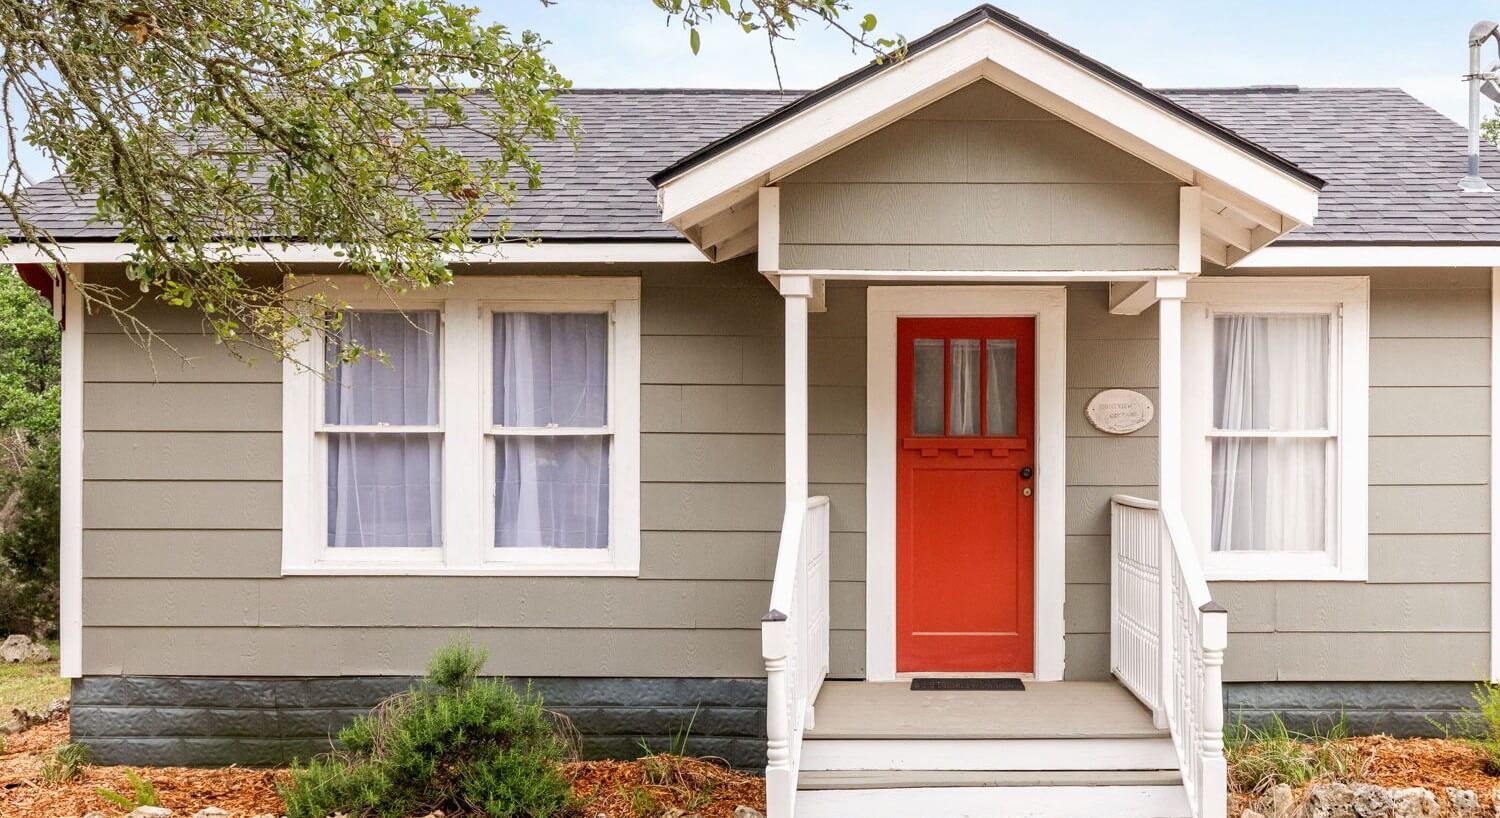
(1053, 710)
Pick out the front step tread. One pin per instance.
(910, 779)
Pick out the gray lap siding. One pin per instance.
(182, 508)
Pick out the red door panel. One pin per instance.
(964, 446)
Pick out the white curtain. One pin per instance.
(551, 369)
(384, 490)
(1270, 374)
(963, 388)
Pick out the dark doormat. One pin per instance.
(967, 684)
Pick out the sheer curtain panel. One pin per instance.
(552, 437)
(1272, 439)
(380, 418)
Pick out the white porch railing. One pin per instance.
(1167, 640)
(794, 643)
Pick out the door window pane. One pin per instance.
(1000, 387)
(927, 387)
(963, 387)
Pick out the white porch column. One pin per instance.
(797, 291)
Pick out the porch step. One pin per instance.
(997, 802)
(938, 779)
(1055, 750)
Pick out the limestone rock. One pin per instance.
(15, 648)
(743, 811)
(1330, 801)
(1371, 801)
(1414, 802)
(1276, 802)
(150, 812)
(1464, 803)
(39, 653)
(211, 812)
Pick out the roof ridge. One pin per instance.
(1279, 89)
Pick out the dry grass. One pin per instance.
(30, 686)
(1431, 763)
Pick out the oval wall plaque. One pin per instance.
(1119, 411)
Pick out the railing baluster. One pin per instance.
(1167, 642)
(794, 644)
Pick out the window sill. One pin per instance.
(1242, 573)
(491, 570)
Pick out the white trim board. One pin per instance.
(510, 252)
(990, 51)
(1297, 256)
(1049, 305)
(1494, 475)
(1346, 299)
(70, 533)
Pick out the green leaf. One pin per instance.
(867, 24)
(693, 40)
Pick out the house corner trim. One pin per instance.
(70, 534)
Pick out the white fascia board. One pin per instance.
(985, 50)
(645, 252)
(1295, 256)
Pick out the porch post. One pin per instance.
(1169, 294)
(796, 290)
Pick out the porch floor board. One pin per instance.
(891, 710)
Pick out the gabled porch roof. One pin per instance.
(1251, 195)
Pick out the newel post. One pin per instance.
(1214, 782)
(779, 772)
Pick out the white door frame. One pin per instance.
(1049, 305)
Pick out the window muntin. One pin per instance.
(382, 432)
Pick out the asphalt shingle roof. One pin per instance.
(1391, 163)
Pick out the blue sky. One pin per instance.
(1418, 46)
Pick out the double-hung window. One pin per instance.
(1276, 399)
(492, 426)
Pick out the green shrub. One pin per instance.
(456, 743)
(143, 793)
(1262, 758)
(1480, 726)
(66, 763)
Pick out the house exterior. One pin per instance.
(989, 363)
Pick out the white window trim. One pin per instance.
(464, 412)
(1347, 298)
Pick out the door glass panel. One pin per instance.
(963, 388)
(1000, 387)
(927, 387)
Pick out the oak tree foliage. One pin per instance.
(207, 128)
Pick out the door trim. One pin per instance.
(1049, 306)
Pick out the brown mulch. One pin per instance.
(1431, 763)
(660, 784)
(238, 791)
(651, 787)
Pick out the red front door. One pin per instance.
(964, 442)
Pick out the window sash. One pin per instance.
(548, 555)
